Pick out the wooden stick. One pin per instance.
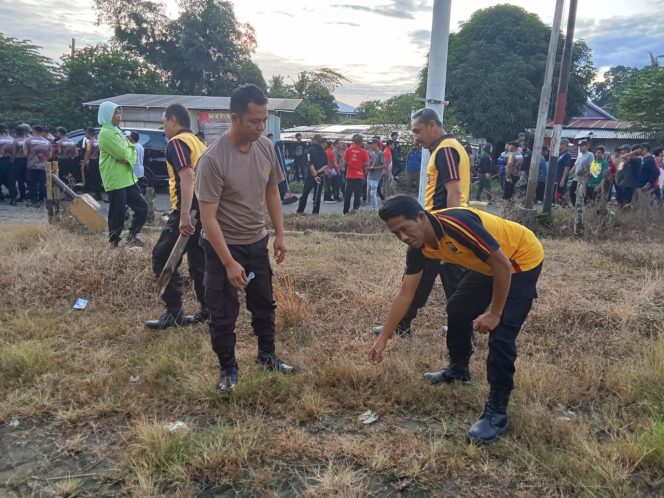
(55, 170)
(49, 191)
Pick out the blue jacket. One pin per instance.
(414, 160)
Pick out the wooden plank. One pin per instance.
(88, 212)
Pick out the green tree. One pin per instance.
(315, 89)
(495, 71)
(308, 113)
(27, 80)
(205, 51)
(616, 80)
(369, 110)
(642, 103)
(97, 72)
(278, 88)
(395, 110)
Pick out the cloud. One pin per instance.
(51, 25)
(340, 23)
(366, 83)
(400, 9)
(621, 40)
(421, 38)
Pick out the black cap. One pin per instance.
(636, 147)
(583, 142)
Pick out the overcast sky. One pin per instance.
(379, 46)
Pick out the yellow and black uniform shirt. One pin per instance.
(468, 237)
(182, 151)
(449, 163)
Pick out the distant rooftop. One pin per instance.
(345, 108)
(595, 122)
(191, 102)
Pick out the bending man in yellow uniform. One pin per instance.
(506, 259)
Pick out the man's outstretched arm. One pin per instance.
(399, 307)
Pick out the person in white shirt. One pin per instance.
(139, 169)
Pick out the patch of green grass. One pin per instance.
(25, 360)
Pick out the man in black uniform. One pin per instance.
(300, 158)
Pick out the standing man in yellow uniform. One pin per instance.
(448, 186)
(505, 260)
(182, 153)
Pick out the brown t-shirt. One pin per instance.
(237, 181)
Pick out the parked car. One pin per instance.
(154, 143)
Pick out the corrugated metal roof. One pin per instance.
(192, 102)
(576, 134)
(594, 123)
(610, 134)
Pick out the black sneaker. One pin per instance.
(168, 319)
(228, 380)
(271, 361)
(450, 375)
(201, 316)
(134, 241)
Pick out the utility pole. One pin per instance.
(545, 99)
(561, 105)
(440, 34)
(73, 46)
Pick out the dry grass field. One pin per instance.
(587, 414)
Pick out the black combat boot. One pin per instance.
(457, 371)
(493, 422)
(269, 359)
(170, 319)
(201, 316)
(228, 373)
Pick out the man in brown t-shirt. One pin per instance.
(237, 180)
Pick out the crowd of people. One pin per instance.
(334, 171)
(25, 150)
(630, 175)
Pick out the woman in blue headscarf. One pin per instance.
(117, 157)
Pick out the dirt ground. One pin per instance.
(88, 396)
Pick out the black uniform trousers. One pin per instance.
(20, 173)
(224, 305)
(450, 275)
(471, 298)
(7, 176)
(118, 200)
(311, 184)
(36, 179)
(172, 295)
(354, 189)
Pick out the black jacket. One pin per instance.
(317, 157)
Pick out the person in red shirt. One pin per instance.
(356, 158)
(386, 184)
(331, 174)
